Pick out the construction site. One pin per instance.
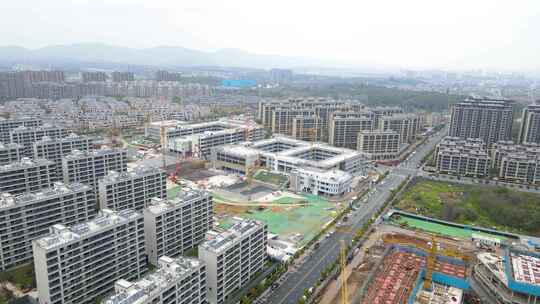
(295, 218)
(416, 270)
(439, 264)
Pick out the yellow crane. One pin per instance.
(343, 262)
(250, 172)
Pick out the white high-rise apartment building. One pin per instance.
(6, 125)
(407, 125)
(176, 225)
(27, 175)
(483, 118)
(80, 264)
(88, 166)
(27, 216)
(530, 125)
(56, 148)
(176, 281)
(461, 157)
(10, 152)
(379, 144)
(132, 189)
(27, 136)
(233, 258)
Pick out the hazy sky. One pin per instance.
(406, 33)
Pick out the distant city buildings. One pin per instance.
(168, 76)
(122, 76)
(379, 145)
(278, 115)
(406, 125)
(344, 127)
(338, 122)
(13, 84)
(462, 157)
(93, 76)
(308, 128)
(530, 125)
(233, 258)
(487, 119)
(517, 163)
(505, 160)
(281, 76)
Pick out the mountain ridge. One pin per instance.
(155, 56)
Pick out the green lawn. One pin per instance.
(306, 221)
(491, 207)
(22, 277)
(272, 178)
(442, 229)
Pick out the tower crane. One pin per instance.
(343, 263)
(431, 248)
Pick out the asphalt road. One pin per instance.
(308, 271)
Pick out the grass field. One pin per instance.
(22, 277)
(287, 221)
(491, 207)
(442, 229)
(272, 178)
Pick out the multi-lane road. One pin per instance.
(306, 272)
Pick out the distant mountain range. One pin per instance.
(170, 56)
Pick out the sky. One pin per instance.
(456, 34)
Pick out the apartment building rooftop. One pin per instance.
(78, 154)
(106, 218)
(170, 271)
(225, 239)
(159, 205)
(25, 162)
(69, 137)
(399, 116)
(115, 176)
(8, 200)
(18, 118)
(43, 127)
(486, 101)
(377, 131)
